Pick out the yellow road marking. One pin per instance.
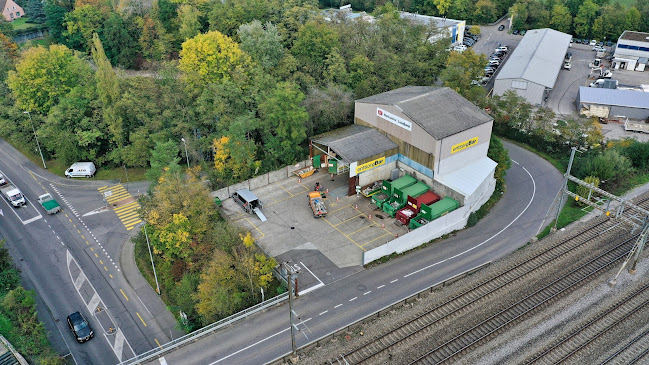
(346, 220)
(87, 243)
(127, 206)
(101, 262)
(130, 228)
(124, 294)
(260, 232)
(78, 231)
(341, 232)
(74, 225)
(92, 249)
(33, 175)
(367, 243)
(70, 220)
(341, 208)
(105, 268)
(111, 276)
(130, 220)
(156, 341)
(127, 214)
(358, 230)
(96, 255)
(286, 190)
(83, 237)
(138, 314)
(67, 216)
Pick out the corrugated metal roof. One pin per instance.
(355, 142)
(440, 111)
(468, 178)
(628, 98)
(426, 19)
(537, 58)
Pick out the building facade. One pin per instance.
(11, 10)
(631, 51)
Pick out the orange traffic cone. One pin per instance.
(337, 198)
(299, 180)
(370, 216)
(382, 225)
(356, 206)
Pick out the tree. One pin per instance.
(485, 11)
(81, 24)
(336, 70)
(561, 18)
(256, 267)
(498, 153)
(190, 25)
(442, 6)
(234, 158)
(109, 92)
(121, 45)
(154, 41)
(585, 18)
(55, 12)
(314, 42)
(263, 44)
(462, 69)
(211, 57)
(633, 19)
(43, 75)
(35, 10)
(164, 155)
(284, 121)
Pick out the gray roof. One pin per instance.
(635, 36)
(538, 57)
(440, 111)
(355, 142)
(616, 97)
(426, 20)
(247, 195)
(643, 60)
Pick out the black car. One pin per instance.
(501, 27)
(515, 32)
(80, 327)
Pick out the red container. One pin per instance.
(414, 205)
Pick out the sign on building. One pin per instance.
(394, 119)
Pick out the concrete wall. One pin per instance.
(444, 191)
(261, 180)
(453, 221)
(376, 174)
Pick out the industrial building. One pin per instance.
(447, 27)
(431, 133)
(631, 51)
(533, 67)
(622, 105)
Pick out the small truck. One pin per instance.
(317, 204)
(48, 203)
(13, 195)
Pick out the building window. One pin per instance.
(18, 14)
(519, 85)
(635, 48)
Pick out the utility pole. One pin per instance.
(291, 275)
(35, 136)
(564, 187)
(152, 264)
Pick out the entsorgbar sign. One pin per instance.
(394, 119)
(466, 144)
(369, 165)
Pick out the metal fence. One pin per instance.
(194, 336)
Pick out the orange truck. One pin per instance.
(317, 204)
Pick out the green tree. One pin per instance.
(498, 153)
(262, 43)
(43, 75)
(316, 39)
(584, 191)
(462, 69)
(190, 25)
(121, 45)
(35, 10)
(328, 108)
(633, 19)
(561, 18)
(55, 11)
(211, 57)
(336, 70)
(109, 92)
(81, 24)
(585, 18)
(284, 121)
(607, 166)
(442, 6)
(485, 11)
(164, 155)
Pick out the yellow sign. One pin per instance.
(370, 165)
(466, 144)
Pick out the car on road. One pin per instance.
(501, 27)
(2, 180)
(599, 49)
(80, 327)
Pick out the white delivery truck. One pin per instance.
(81, 169)
(13, 195)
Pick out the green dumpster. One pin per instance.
(388, 189)
(430, 213)
(400, 197)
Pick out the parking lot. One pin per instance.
(329, 247)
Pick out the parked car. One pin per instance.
(489, 70)
(469, 42)
(609, 43)
(80, 327)
(501, 27)
(599, 49)
(494, 62)
(593, 42)
(600, 43)
(81, 169)
(568, 56)
(502, 48)
(516, 32)
(459, 48)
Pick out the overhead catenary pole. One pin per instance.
(290, 276)
(564, 187)
(35, 136)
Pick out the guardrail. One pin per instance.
(194, 336)
(401, 302)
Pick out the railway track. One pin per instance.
(463, 301)
(483, 331)
(610, 319)
(635, 351)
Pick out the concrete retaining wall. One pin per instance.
(450, 222)
(260, 181)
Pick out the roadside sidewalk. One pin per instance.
(145, 292)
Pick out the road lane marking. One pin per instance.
(312, 288)
(394, 281)
(162, 359)
(140, 317)
(488, 239)
(379, 287)
(339, 305)
(159, 345)
(354, 298)
(323, 313)
(310, 272)
(367, 292)
(254, 344)
(105, 268)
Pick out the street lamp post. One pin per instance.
(155, 275)
(186, 155)
(35, 136)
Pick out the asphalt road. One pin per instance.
(532, 185)
(72, 263)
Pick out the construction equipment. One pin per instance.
(317, 204)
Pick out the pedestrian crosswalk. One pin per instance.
(123, 203)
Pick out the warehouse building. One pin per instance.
(431, 133)
(632, 51)
(613, 103)
(447, 27)
(533, 67)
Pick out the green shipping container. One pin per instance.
(442, 207)
(379, 199)
(400, 197)
(400, 183)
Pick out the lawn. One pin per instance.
(21, 24)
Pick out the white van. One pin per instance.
(81, 169)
